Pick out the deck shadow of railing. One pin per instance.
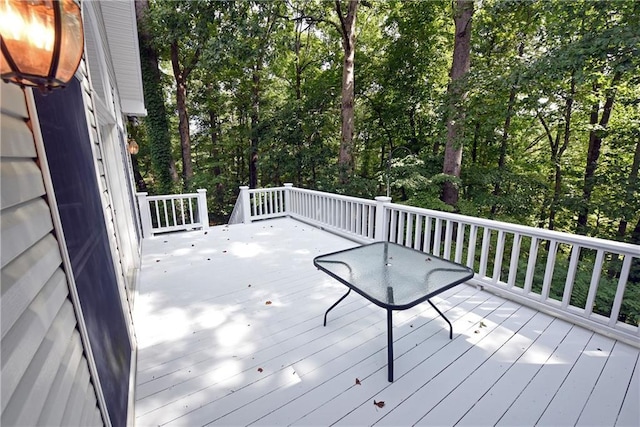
(589, 281)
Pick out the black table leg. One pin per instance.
(332, 307)
(390, 345)
(445, 318)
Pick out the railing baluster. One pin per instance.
(190, 211)
(393, 230)
(272, 208)
(352, 217)
(166, 215)
(447, 240)
(595, 279)
(617, 300)
(426, 246)
(159, 222)
(548, 269)
(173, 210)
(417, 235)
(459, 242)
(437, 237)
(471, 254)
(409, 233)
(531, 265)
(182, 210)
(484, 254)
(515, 257)
(497, 263)
(571, 276)
(399, 233)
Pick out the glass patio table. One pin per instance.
(393, 277)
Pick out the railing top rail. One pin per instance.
(265, 190)
(173, 196)
(583, 241)
(335, 196)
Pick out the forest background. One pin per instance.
(544, 109)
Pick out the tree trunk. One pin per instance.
(631, 185)
(183, 116)
(497, 190)
(255, 123)
(593, 153)
(459, 67)
(137, 176)
(214, 125)
(164, 166)
(348, 30)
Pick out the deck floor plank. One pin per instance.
(574, 392)
(466, 394)
(630, 412)
(487, 410)
(212, 351)
(369, 367)
(606, 400)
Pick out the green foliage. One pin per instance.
(283, 61)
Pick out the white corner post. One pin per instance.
(203, 212)
(287, 197)
(246, 205)
(145, 214)
(380, 231)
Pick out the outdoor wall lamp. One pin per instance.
(42, 42)
(132, 146)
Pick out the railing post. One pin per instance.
(380, 231)
(203, 212)
(246, 205)
(287, 197)
(145, 214)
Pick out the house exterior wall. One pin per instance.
(50, 374)
(45, 372)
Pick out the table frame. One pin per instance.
(390, 307)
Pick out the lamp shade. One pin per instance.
(133, 146)
(42, 42)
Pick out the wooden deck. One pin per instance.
(229, 329)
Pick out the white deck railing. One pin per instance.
(578, 278)
(176, 212)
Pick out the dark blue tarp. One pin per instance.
(69, 155)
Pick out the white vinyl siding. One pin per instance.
(45, 375)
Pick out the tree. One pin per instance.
(158, 127)
(348, 32)
(463, 12)
(183, 28)
(598, 123)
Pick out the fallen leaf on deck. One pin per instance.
(379, 404)
(428, 259)
(157, 260)
(249, 286)
(260, 369)
(224, 252)
(205, 232)
(268, 303)
(476, 331)
(482, 325)
(358, 382)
